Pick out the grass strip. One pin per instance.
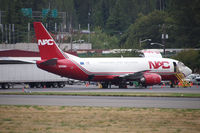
(62, 119)
(122, 94)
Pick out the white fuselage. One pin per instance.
(125, 65)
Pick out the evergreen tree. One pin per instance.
(187, 17)
(149, 26)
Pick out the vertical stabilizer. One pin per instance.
(46, 44)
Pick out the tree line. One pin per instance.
(121, 23)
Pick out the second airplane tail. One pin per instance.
(47, 46)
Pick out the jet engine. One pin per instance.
(150, 79)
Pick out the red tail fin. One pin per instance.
(47, 46)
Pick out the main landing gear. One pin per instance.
(122, 85)
(106, 85)
(173, 84)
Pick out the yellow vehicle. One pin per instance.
(185, 84)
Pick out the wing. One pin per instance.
(133, 76)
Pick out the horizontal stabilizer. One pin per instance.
(50, 62)
(151, 53)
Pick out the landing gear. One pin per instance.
(142, 85)
(145, 86)
(122, 84)
(172, 84)
(104, 85)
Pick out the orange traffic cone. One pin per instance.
(164, 85)
(87, 84)
(191, 84)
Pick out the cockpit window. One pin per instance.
(181, 64)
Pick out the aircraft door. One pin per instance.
(175, 66)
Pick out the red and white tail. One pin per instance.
(47, 46)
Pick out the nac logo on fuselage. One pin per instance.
(43, 42)
(158, 64)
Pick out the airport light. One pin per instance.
(160, 45)
(141, 41)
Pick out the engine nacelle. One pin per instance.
(150, 79)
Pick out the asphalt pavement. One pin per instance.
(101, 101)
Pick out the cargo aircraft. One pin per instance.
(147, 71)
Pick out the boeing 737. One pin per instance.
(118, 71)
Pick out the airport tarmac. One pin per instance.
(93, 88)
(101, 101)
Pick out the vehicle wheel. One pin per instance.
(43, 85)
(55, 85)
(48, 85)
(31, 85)
(38, 85)
(5, 86)
(61, 85)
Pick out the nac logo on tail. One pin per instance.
(43, 42)
(158, 64)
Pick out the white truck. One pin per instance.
(194, 78)
(23, 70)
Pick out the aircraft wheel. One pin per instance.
(145, 86)
(172, 85)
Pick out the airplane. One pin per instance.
(147, 71)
